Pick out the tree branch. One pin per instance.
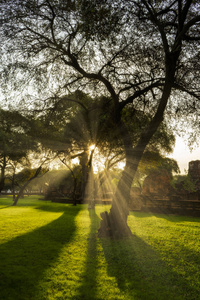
(159, 25)
(183, 89)
(140, 93)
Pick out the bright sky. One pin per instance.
(183, 155)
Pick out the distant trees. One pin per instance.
(20, 137)
(184, 183)
(142, 54)
(15, 142)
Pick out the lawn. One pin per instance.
(51, 251)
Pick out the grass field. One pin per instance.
(51, 251)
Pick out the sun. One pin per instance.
(92, 147)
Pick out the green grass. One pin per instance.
(51, 251)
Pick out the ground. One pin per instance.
(52, 251)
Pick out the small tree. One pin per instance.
(28, 175)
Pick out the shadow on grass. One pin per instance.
(5, 207)
(88, 288)
(24, 259)
(169, 217)
(179, 218)
(141, 273)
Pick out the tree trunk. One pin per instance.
(114, 224)
(21, 192)
(13, 186)
(84, 167)
(2, 181)
(87, 170)
(74, 191)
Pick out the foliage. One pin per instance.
(184, 182)
(161, 143)
(163, 140)
(153, 160)
(63, 183)
(78, 121)
(53, 176)
(70, 51)
(15, 142)
(25, 175)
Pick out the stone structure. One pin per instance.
(194, 172)
(135, 199)
(157, 194)
(157, 184)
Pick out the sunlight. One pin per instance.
(183, 154)
(98, 187)
(92, 147)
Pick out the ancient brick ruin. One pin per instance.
(157, 194)
(194, 172)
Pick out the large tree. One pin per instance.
(141, 53)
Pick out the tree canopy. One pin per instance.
(16, 141)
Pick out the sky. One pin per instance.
(183, 155)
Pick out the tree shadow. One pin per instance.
(5, 207)
(169, 217)
(141, 273)
(175, 218)
(24, 259)
(88, 288)
(145, 214)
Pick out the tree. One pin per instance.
(15, 142)
(143, 54)
(28, 175)
(154, 162)
(37, 167)
(11, 172)
(70, 130)
(184, 183)
(20, 139)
